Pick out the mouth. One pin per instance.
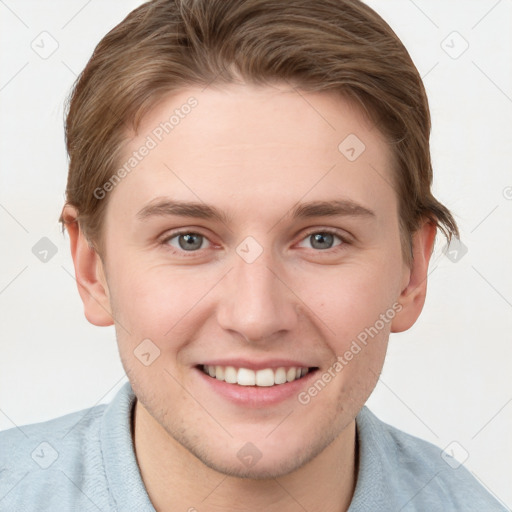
(265, 377)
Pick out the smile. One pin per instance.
(265, 377)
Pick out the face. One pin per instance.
(246, 248)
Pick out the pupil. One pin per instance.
(322, 240)
(190, 241)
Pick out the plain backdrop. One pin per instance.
(447, 380)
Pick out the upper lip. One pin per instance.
(256, 365)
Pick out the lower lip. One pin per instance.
(257, 396)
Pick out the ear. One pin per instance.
(89, 272)
(414, 285)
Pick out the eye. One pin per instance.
(322, 240)
(187, 241)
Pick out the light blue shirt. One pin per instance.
(85, 461)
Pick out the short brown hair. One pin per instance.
(326, 45)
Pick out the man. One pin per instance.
(249, 203)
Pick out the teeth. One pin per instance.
(280, 376)
(246, 377)
(219, 373)
(263, 378)
(230, 375)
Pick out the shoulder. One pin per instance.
(82, 461)
(417, 474)
(51, 458)
(66, 431)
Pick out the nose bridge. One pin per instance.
(255, 303)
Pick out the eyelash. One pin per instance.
(343, 239)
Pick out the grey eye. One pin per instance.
(321, 240)
(187, 241)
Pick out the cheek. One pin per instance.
(356, 307)
(157, 315)
(156, 301)
(351, 299)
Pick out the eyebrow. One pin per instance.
(166, 207)
(339, 207)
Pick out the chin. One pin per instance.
(261, 470)
(258, 461)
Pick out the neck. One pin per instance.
(176, 480)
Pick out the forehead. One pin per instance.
(262, 145)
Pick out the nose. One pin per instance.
(255, 300)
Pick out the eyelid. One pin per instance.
(341, 234)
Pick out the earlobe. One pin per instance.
(412, 297)
(89, 273)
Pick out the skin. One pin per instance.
(254, 153)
